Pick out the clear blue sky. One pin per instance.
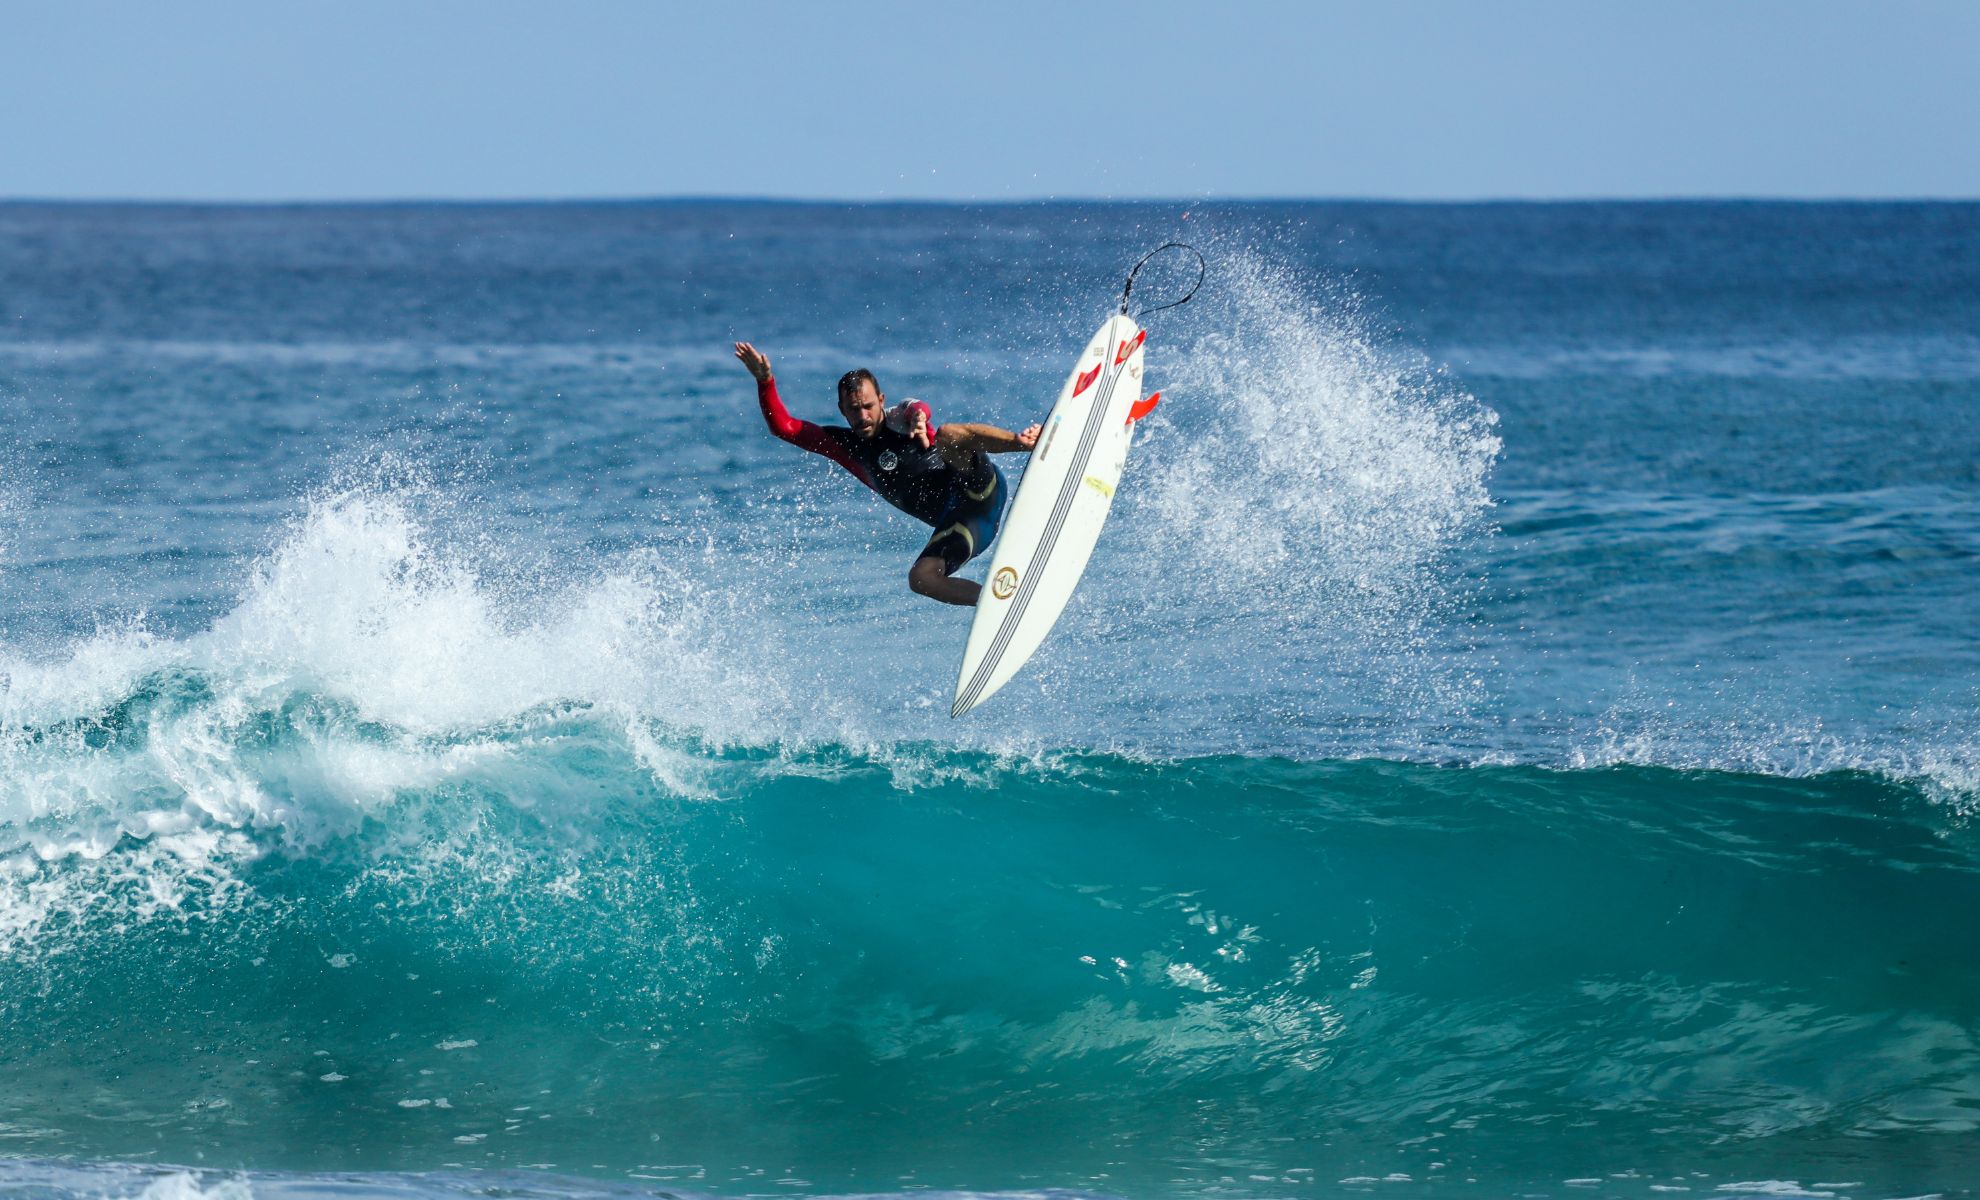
(859, 99)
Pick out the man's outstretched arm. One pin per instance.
(802, 434)
(959, 438)
(775, 415)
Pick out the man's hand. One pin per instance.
(918, 432)
(757, 361)
(1029, 438)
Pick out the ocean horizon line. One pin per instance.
(1035, 202)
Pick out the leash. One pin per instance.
(1202, 269)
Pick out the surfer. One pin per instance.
(941, 476)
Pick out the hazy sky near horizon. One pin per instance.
(860, 99)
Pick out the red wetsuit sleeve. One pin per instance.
(803, 434)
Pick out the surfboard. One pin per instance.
(1055, 517)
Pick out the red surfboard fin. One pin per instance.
(1129, 347)
(1086, 380)
(1143, 407)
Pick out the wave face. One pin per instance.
(254, 917)
(447, 748)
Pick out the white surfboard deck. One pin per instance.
(1055, 518)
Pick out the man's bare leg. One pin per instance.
(930, 577)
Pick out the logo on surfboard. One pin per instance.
(1004, 584)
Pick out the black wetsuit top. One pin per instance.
(918, 481)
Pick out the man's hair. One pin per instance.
(850, 381)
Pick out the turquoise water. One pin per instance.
(1515, 739)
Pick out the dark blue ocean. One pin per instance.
(1517, 737)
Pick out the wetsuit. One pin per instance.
(964, 504)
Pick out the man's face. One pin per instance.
(865, 411)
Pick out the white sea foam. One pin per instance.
(359, 606)
(137, 773)
(1944, 762)
(1334, 469)
(1304, 504)
(184, 1185)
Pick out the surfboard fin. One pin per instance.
(1086, 380)
(1143, 407)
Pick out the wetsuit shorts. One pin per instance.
(969, 524)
